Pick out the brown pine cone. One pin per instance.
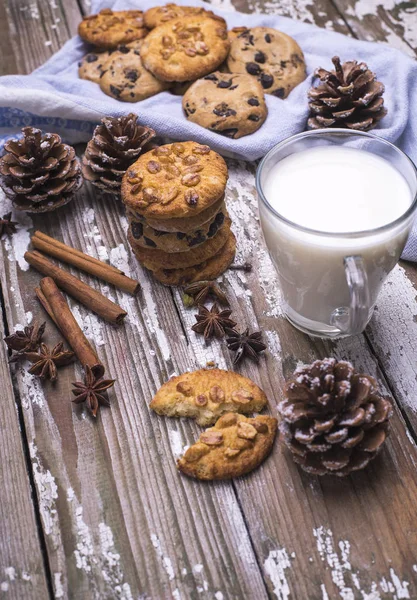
(334, 419)
(39, 172)
(349, 97)
(115, 145)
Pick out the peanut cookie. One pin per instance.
(184, 225)
(272, 57)
(233, 447)
(175, 180)
(210, 269)
(91, 65)
(108, 29)
(125, 78)
(207, 394)
(230, 104)
(155, 259)
(186, 49)
(175, 242)
(158, 15)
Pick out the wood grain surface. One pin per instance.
(115, 518)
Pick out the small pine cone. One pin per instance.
(115, 145)
(38, 172)
(349, 97)
(334, 419)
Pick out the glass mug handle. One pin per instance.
(353, 319)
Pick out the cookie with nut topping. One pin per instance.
(174, 180)
(230, 104)
(269, 56)
(158, 15)
(206, 394)
(235, 446)
(107, 29)
(186, 49)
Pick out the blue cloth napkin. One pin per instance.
(53, 97)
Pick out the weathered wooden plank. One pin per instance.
(22, 573)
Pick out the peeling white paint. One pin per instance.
(91, 325)
(4, 586)
(166, 561)
(150, 313)
(219, 596)
(10, 573)
(58, 587)
(275, 566)
(18, 243)
(111, 566)
(84, 553)
(176, 594)
(47, 492)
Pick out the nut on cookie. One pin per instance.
(233, 447)
(206, 394)
(158, 15)
(108, 28)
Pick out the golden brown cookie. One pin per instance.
(207, 394)
(175, 180)
(155, 259)
(272, 57)
(91, 65)
(230, 104)
(233, 447)
(186, 49)
(185, 225)
(158, 15)
(148, 237)
(108, 29)
(211, 269)
(125, 78)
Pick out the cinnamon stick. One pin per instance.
(86, 263)
(66, 323)
(41, 297)
(76, 288)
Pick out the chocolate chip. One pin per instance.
(132, 75)
(158, 233)
(180, 236)
(123, 49)
(279, 93)
(260, 57)
(199, 238)
(219, 219)
(211, 77)
(254, 118)
(137, 230)
(223, 110)
(253, 101)
(253, 68)
(233, 87)
(268, 38)
(132, 95)
(230, 133)
(149, 242)
(91, 58)
(115, 91)
(266, 80)
(283, 64)
(224, 84)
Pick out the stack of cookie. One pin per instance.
(178, 224)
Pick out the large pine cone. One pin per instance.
(334, 419)
(38, 172)
(348, 97)
(115, 145)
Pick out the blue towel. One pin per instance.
(53, 97)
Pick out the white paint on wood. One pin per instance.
(10, 573)
(150, 313)
(324, 594)
(84, 553)
(91, 325)
(18, 243)
(32, 391)
(58, 587)
(166, 561)
(219, 596)
(110, 565)
(47, 493)
(275, 566)
(338, 564)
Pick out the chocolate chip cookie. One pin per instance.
(230, 104)
(158, 15)
(108, 29)
(125, 78)
(91, 65)
(206, 394)
(186, 49)
(272, 57)
(233, 447)
(175, 180)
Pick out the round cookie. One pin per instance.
(186, 49)
(175, 180)
(155, 259)
(272, 57)
(211, 269)
(108, 29)
(91, 65)
(230, 104)
(233, 447)
(184, 225)
(125, 78)
(175, 242)
(206, 394)
(158, 15)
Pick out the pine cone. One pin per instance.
(334, 419)
(348, 97)
(115, 145)
(38, 172)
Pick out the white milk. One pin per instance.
(337, 190)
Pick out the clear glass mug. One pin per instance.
(330, 281)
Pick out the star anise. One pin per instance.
(91, 391)
(201, 289)
(245, 344)
(7, 226)
(26, 340)
(46, 361)
(212, 322)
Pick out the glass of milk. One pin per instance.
(336, 208)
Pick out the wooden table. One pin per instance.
(96, 509)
